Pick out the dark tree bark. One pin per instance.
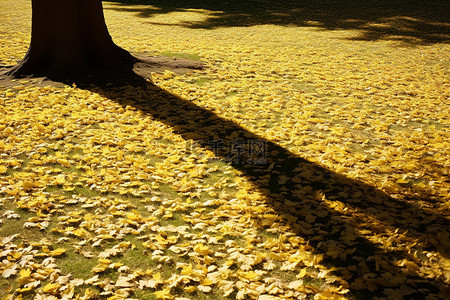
(69, 39)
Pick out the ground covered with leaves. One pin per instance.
(302, 163)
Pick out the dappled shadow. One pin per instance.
(410, 21)
(307, 197)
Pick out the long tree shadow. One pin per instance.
(305, 193)
(410, 21)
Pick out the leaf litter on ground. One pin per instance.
(105, 195)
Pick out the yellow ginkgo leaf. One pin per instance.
(51, 288)
(164, 294)
(60, 179)
(202, 249)
(57, 252)
(187, 270)
(302, 273)
(24, 273)
(248, 275)
(64, 162)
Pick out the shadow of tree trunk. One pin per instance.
(299, 191)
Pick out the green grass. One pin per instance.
(167, 190)
(76, 264)
(202, 81)
(79, 190)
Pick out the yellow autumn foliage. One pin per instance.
(349, 193)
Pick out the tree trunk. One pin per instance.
(69, 39)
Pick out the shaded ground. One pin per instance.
(145, 67)
(410, 21)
